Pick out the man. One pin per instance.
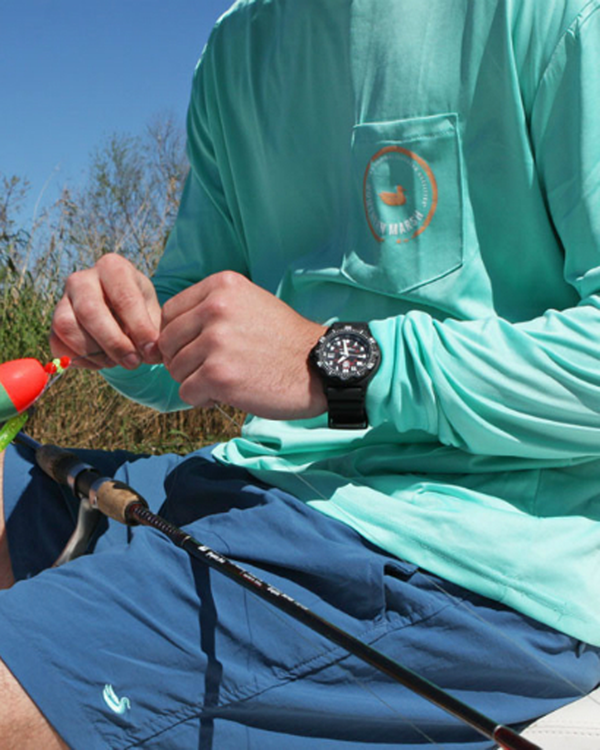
(425, 174)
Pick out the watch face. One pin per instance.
(348, 355)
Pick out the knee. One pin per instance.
(22, 724)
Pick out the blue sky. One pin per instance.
(74, 71)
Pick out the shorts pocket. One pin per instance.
(407, 217)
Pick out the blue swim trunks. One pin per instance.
(138, 645)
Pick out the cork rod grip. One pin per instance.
(109, 496)
(114, 498)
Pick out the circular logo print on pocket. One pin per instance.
(400, 195)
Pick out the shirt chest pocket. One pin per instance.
(406, 226)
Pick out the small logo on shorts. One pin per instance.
(116, 704)
(400, 194)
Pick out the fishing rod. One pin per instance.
(123, 504)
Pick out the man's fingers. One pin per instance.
(183, 302)
(111, 308)
(131, 298)
(94, 361)
(96, 324)
(179, 334)
(205, 305)
(225, 285)
(194, 391)
(68, 338)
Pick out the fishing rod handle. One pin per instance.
(66, 468)
(111, 497)
(120, 502)
(114, 499)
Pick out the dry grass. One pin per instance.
(128, 205)
(82, 410)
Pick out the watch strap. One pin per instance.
(346, 407)
(346, 396)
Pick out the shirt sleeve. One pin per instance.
(529, 389)
(203, 241)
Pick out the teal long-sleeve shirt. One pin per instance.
(433, 168)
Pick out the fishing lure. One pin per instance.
(22, 382)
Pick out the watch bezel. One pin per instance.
(349, 378)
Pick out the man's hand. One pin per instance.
(226, 339)
(111, 308)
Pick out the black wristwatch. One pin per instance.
(346, 357)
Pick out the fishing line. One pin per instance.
(61, 367)
(302, 633)
(291, 624)
(121, 503)
(524, 650)
(496, 629)
(347, 671)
